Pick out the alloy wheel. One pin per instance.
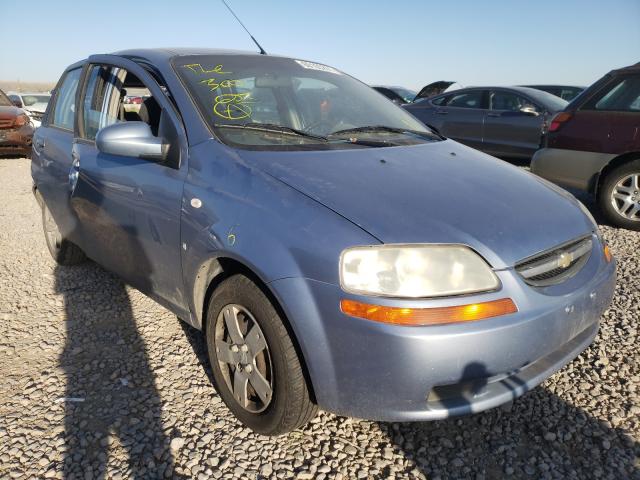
(625, 197)
(244, 358)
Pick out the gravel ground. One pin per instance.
(97, 380)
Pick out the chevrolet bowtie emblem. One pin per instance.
(565, 259)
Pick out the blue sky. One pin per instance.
(408, 43)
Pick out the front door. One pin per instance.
(508, 130)
(129, 208)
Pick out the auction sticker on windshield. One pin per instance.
(317, 66)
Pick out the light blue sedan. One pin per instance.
(336, 253)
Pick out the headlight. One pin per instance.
(22, 119)
(415, 271)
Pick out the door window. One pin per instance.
(466, 100)
(96, 111)
(65, 107)
(622, 97)
(114, 95)
(507, 101)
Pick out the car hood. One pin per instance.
(440, 192)
(433, 89)
(9, 112)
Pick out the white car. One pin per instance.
(34, 104)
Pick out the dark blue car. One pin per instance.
(336, 252)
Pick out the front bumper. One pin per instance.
(570, 168)
(16, 140)
(371, 370)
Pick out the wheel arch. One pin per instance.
(609, 167)
(214, 272)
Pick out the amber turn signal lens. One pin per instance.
(608, 256)
(428, 316)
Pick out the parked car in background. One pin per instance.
(594, 145)
(16, 129)
(34, 104)
(398, 95)
(336, 252)
(503, 121)
(565, 92)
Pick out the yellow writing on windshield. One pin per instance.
(233, 106)
(198, 68)
(215, 84)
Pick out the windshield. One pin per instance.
(4, 100)
(406, 94)
(280, 103)
(29, 99)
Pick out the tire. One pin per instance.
(62, 250)
(623, 181)
(287, 405)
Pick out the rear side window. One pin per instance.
(466, 100)
(65, 107)
(623, 96)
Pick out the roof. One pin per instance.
(166, 54)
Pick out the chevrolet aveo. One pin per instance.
(336, 253)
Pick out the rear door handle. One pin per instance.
(493, 114)
(441, 112)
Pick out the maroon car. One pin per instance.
(16, 130)
(594, 145)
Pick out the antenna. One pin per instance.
(262, 52)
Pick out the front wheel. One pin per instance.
(62, 250)
(619, 196)
(255, 365)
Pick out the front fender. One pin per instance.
(248, 216)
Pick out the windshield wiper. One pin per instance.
(380, 128)
(273, 127)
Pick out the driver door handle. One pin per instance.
(493, 114)
(441, 112)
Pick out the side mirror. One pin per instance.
(530, 110)
(131, 139)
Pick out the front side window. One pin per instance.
(65, 107)
(507, 101)
(98, 110)
(623, 96)
(280, 103)
(471, 99)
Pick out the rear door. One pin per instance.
(130, 208)
(461, 117)
(508, 130)
(51, 159)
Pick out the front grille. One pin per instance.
(556, 265)
(6, 123)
